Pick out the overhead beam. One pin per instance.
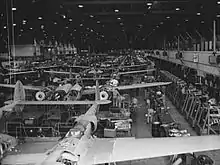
(105, 2)
(136, 13)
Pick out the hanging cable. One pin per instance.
(8, 38)
(13, 38)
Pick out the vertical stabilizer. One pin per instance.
(19, 92)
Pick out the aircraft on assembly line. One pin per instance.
(80, 147)
(19, 99)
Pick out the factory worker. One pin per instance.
(149, 115)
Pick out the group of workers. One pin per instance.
(155, 101)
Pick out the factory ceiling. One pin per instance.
(106, 23)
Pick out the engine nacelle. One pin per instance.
(74, 93)
(90, 118)
(61, 91)
(40, 96)
(104, 95)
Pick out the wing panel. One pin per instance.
(146, 85)
(125, 149)
(23, 159)
(132, 149)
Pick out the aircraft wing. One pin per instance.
(25, 87)
(62, 102)
(36, 159)
(59, 72)
(139, 71)
(19, 73)
(125, 149)
(145, 85)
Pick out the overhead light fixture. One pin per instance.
(91, 16)
(21, 30)
(80, 6)
(198, 13)
(81, 24)
(55, 23)
(218, 15)
(63, 16)
(161, 23)
(177, 9)
(149, 4)
(14, 24)
(14, 9)
(31, 28)
(218, 2)
(186, 20)
(202, 22)
(168, 17)
(118, 18)
(5, 27)
(98, 21)
(39, 18)
(70, 20)
(116, 10)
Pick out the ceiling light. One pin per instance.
(31, 28)
(121, 23)
(21, 30)
(149, 4)
(202, 21)
(14, 24)
(218, 2)
(177, 9)
(66, 27)
(98, 21)
(161, 23)
(80, 6)
(116, 10)
(198, 13)
(55, 23)
(42, 26)
(168, 17)
(13, 9)
(157, 26)
(186, 20)
(149, 7)
(39, 18)
(70, 20)
(5, 27)
(118, 18)
(218, 15)
(81, 24)
(91, 16)
(63, 16)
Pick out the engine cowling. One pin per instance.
(61, 91)
(90, 118)
(40, 96)
(104, 95)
